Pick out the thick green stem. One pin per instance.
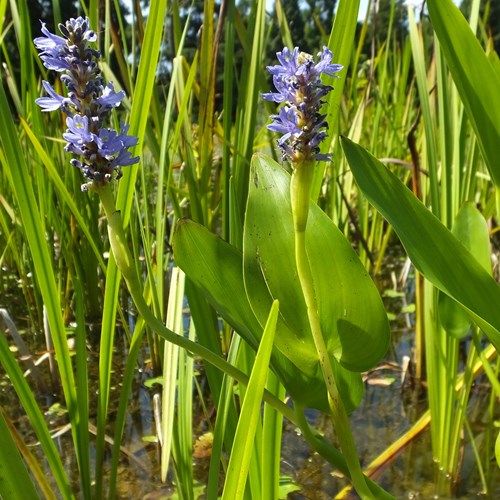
(125, 263)
(300, 190)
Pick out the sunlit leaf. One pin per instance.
(217, 268)
(474, 74)
(433, 249)
(353, 320)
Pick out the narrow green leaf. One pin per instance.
(433, 249)
(272, 427)
(23, 190)
(35, 416)
(474, 75)
(341, 43)
(143, 91)
(170, 363)
(15, 482)
(497, 449)
(243, 444)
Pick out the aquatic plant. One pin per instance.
(332, 324)
(196, 162)
(88, 105)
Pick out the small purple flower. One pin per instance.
(88, 104)
(51, 45)
(298, 84)
(78, 132)
(112, 143)
(55, 101)
(109, 98)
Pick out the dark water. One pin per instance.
(388, 409)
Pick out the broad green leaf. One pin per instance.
(471, 230)
(433, 249)
(217, 268)
(475, 76)
(353, 319)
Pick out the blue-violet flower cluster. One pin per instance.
(88, 103)
(298, 84)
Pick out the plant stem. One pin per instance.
(300, 190)
(124, 261)
(326, 450)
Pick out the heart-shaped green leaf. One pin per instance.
(353, 320)
(217, 268)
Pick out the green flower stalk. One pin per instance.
(299, 87)
(101, 152)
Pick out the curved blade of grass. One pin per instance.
(15, 482)
(433, 249)
(40, 476)
(143, 92)
(474, 75)
(243, 444)
(33, 228)
(35, 416)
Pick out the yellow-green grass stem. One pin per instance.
(300, 190)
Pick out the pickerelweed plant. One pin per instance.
(101, 152)
(331, 324)
(298, 84)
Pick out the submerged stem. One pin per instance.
(326, 450)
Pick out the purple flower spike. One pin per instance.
(298, 84)
(88, 105)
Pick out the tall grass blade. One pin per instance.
(341, 43)
(36, 418)
(141, 100)
(243, 444)
(15, 482)
(23, 189)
